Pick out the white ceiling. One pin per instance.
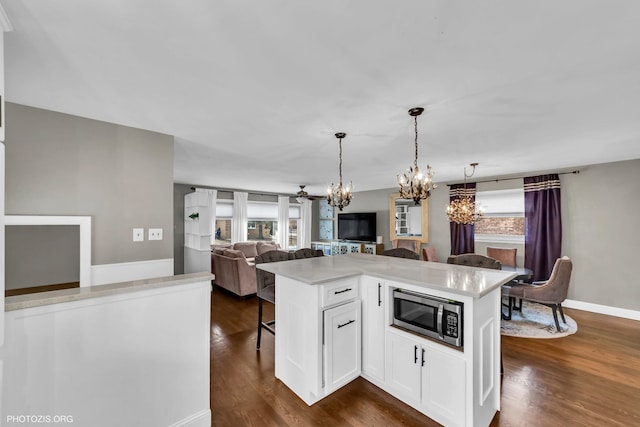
(254, 90)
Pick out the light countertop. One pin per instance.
(469, 281)
(65, 295)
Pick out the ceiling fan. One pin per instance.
(302, 195)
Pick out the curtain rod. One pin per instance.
(229, 190)
(575, 172)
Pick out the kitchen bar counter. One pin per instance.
(461, 280)
(335, 323)
(38, 299)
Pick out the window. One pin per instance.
(262, 222)
(294, 218)
(503, 219)
(224, 218)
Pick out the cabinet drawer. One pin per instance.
(336, 293)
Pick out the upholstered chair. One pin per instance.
(475, 260)
(507, 256)
(266, 288)
(429, 254)
(411, 244)
(550, 293)
(401, 253)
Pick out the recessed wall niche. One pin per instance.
(40, 255)
(43, 250)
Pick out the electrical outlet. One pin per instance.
(155, 234)
(138, 234)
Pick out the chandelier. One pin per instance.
(464, 210)
(414, 184)
(339, 196)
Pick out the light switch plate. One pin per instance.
(155, 234)
(138, 234)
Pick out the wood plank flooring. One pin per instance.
(591, 378)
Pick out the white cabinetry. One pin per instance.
(426, 377)
(342, 350)
(313, 356)
(372, 292)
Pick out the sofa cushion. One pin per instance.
(262, 247)
(219, 251)
(247, 248)
(233, 253)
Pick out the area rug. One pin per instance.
(536, 321)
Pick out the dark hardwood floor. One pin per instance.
(591, 378)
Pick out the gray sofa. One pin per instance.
(234, 268)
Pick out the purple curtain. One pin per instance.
(543, 224)
(462, 241)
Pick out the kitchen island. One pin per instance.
(334, 320)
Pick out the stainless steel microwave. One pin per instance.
(428, 315)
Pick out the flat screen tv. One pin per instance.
(357, 226)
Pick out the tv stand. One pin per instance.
(343, 247)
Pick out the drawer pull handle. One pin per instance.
(345, 324)
(339, 292)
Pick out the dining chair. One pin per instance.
(551, 292)
(266, 288)
(507, 256)
(475, 260)
(401, 253)
(429, 254)
(411, 244)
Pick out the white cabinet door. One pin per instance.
(373, 304)
(403, 365)
(342, 345)
(443, 385)
(428, 377)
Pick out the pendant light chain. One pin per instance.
(415, 126)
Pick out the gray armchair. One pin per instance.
(550, 293)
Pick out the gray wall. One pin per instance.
(600, 210)
(58, 164)
(37, 255)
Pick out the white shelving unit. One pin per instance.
(197, 233)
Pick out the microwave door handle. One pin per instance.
(440, 317)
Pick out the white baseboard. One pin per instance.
(200, 419)
(602, 309)
(103, 274)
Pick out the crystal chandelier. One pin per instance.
(414, 184)
(464, 210)
(339, 196)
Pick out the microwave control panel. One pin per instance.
(451, 324)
